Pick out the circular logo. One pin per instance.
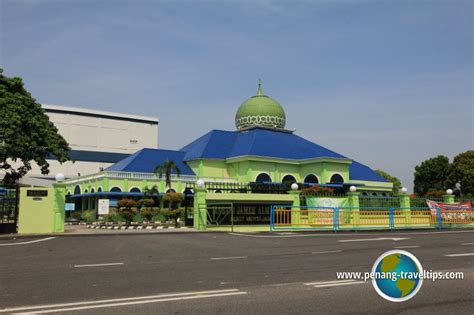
(397, 275)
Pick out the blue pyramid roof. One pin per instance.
(145, 161)
(359, 171)
(219, 144)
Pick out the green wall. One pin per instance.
(41, 214)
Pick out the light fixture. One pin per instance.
(59, 177)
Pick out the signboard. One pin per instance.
(113, 202)
(36, 193)
(103, 206)
(69, 207)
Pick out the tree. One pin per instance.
(461, 172)
(166, 169)
(397, 184)
(26, 134)
(431, 175)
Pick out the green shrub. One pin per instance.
(127, 203)
(137, 218)
(145, 203)
(173, 198)
(158, 217)
(109, 217)
(88, 216)
(118, 218)
(128, 214)
(77, 215)
(173, 215)
(147, 214)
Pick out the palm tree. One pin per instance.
(166, 169)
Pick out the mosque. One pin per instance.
(249, 167)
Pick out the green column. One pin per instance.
(353, 198)
(249, 172)
(448, 198)
(105, 184)
(405, 207)
(296, 209)
(125, 185)
(59, 206)
(200, 211)
(324, 174)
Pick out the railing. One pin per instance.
(8, 210)
(344, 218)
(255, 188)
(147, 176)
(389, 201)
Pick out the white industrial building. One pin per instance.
(97, 139)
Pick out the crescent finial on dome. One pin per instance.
(259, 91)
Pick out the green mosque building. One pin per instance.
(250, 168)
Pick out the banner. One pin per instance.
(326, 202)
(451, 211)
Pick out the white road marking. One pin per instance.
(333, 283)
(327, 282)
(228, 258)
(408, 246)
(99, 265)
(347, 235)
(28, 242)
(327, 252)
(460, 255)
(117, 302)
(338, 284)
(467, 244)
(376, 239)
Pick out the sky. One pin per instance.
(386, 83)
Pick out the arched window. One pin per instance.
(364, 193)
(384, 194)
(115, 189)
(311, 179)
(86, 191)
(374, 194)
(263, 178)
(77, 190)
(288, 179)
(92, 190)
(336, 179)
(188, 192)
(135, 190)
(170, 190)
(99, 189)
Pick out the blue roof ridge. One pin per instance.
(168, 150)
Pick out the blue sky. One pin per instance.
(388, 83)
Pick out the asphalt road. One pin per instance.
(221, 273)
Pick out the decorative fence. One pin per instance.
(346, 218)
(8, 210)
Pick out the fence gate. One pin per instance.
(220, 214)
(8, 210)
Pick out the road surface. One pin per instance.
(224, 273)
